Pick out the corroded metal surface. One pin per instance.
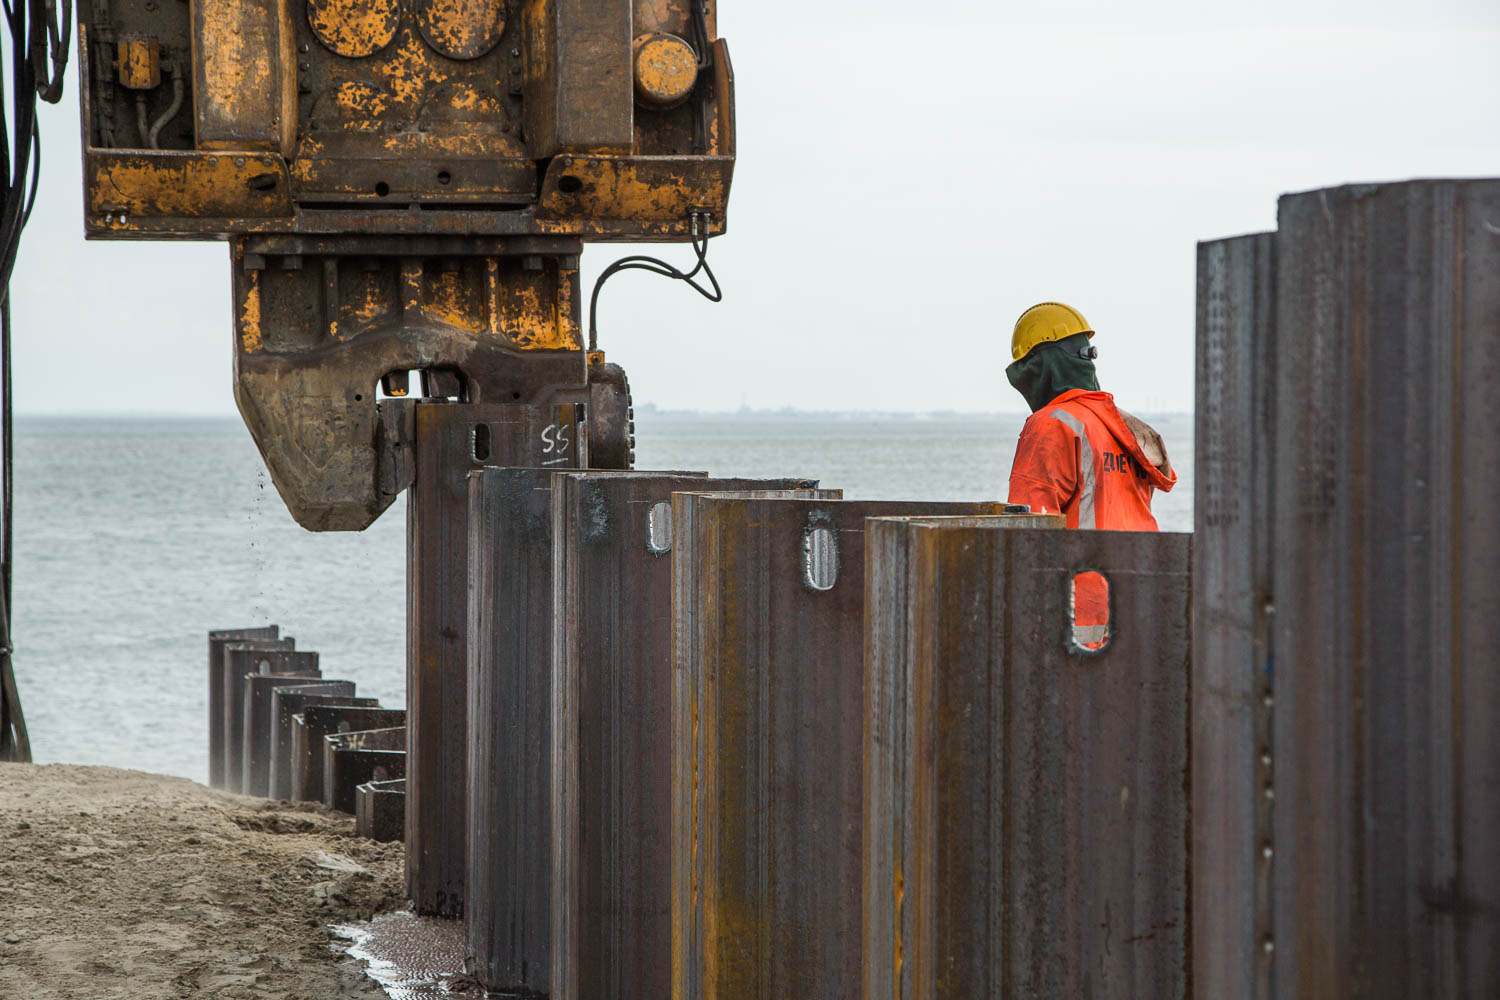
(380, 809)
(316, 331)
(510, 846)
(351, 759)
(334, 116)
(508, 134)
(257, 732)
(768, 622)
(509, 708)
(1232, 613)
(611, 655)
(1387, 465)
(217, 639)
(312, 724)
(1027, 816)
(437, 621)
(256, 656)
(287, 702)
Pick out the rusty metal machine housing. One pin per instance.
(406, 186)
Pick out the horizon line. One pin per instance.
(645, 409)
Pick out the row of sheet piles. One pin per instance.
(279, 729)
(669, 728)
(1346, 756)
(570, 699)
(904, 778)
(1025, 798)
(449, 441)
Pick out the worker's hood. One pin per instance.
(1047, 372)
(1136, 436)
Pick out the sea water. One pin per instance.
(136, 536)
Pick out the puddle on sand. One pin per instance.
(412, 957)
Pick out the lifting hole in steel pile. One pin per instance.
(820, 558)
(479, 443)
(382, 188)
(1088, 607)
(659, 528)
(568, 184)
(444, 177)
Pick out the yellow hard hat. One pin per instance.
(1044, 322)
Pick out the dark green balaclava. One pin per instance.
(1053, 368)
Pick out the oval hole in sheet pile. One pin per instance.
(659, 528)
(820, 558)
(480, 443)
(1088, 603)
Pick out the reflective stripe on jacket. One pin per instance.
(1076, 456)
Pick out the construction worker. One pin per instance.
(1078, 453)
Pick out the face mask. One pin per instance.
(1053, 368)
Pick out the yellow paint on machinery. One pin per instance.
(462, 29)
(123, 186)
(406, 185)
(244, 82)
(666, 68)
(354, 28)
(139, 63)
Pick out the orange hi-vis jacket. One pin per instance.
(1078, 456)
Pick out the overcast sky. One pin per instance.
(911, 176)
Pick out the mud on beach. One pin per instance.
(123, 884)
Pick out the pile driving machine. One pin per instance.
(406, 186)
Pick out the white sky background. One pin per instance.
(911, 176)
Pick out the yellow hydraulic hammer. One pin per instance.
(405, 185)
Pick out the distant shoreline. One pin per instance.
(651, 413)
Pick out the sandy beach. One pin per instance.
(118, 883)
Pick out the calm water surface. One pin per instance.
(136, 536)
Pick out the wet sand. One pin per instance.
(123, 884)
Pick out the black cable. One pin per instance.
(38, 60)
(640, 262)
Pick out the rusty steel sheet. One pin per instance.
(448, 445)
(508, 852)
(254, 657)
(509, 849)
(351, 759)
(1232, 680)
(1027, 812)
(768, 760)
(222, 692)
(380, 809)
(257, 732)
(217, 640)
(1386, 752)
(287, 702)
(612, 728)
(314, 722)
